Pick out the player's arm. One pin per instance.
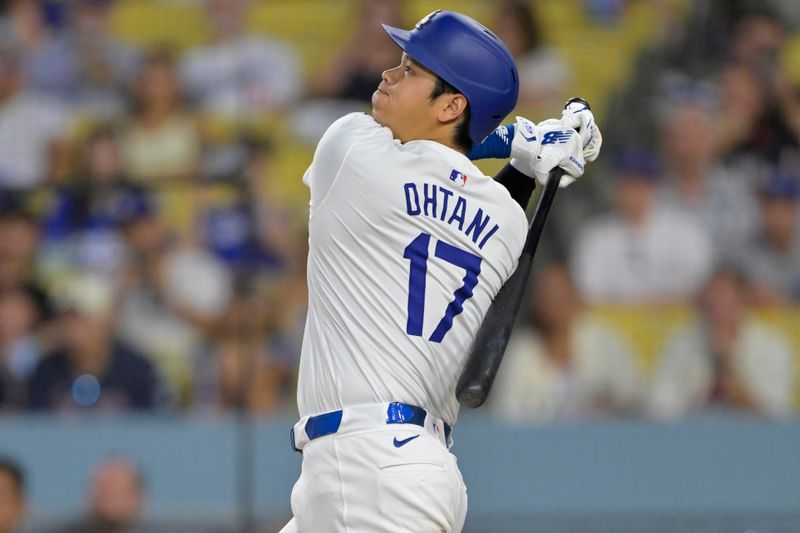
(519, 186)
(524, 137)
(521, 142)
(498, 146)
(535, 149)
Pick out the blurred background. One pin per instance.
(153, 239)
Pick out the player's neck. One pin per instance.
(447, 140)
(443, 134)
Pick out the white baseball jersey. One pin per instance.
(408, 245)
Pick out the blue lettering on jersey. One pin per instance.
(488, 235)
(430, 199)
(459, 212)
(446, 194)
(412, 204)
(477, 225)
(436, 205)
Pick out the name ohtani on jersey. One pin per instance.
(439, 203)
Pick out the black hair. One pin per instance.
(462, 138)
(14, 470)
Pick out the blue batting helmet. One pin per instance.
(470, 58)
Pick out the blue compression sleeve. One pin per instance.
(496, 146)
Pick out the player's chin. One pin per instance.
(379, 112)
(379, 99)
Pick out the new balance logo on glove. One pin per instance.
(556, 136)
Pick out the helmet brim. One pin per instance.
(398, 35)
(419, 54)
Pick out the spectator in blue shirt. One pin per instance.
(90, 367)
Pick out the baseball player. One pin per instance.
(408, 244)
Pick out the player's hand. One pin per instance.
(560, 148)
(527, 141)
(580, 118)
(538, 148)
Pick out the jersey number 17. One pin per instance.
(417, 254)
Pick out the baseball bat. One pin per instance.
(489, 346)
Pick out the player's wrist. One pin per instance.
(496, 146)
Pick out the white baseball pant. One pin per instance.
(373, 477)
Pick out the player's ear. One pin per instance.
(454, 106)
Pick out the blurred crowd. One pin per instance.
(696, 206)
(149, 262)
(145, 263)
(151, 258)
(116, 498)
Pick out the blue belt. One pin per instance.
(396, 413)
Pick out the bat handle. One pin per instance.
(577, 100)
(542, 210)
(486, 353)
(549, 194)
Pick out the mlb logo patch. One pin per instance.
(458, 178)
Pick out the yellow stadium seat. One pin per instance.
(316, 28)
(647, 328)
(791, 62)
(175, 200)
(150, 23)
(416, 9)
(787, 320)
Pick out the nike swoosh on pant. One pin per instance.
(398, 443)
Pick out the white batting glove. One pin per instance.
(580, 118)
(560, 148)
(536, 149)
(526, 142)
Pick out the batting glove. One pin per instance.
(527, 141)
(538, 148)
(580, 118)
